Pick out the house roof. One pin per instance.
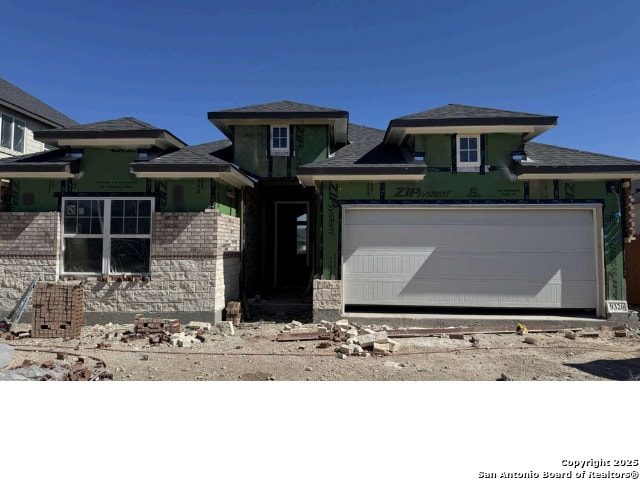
(125, 131)
(364, 155)
(283, 108)
(49, 164)
(559, 162)
(212, 156)
(284, 111)
(211, 160)
(455, 114)
(19, 100)
(454, 118)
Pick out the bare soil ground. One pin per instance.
(253, 353)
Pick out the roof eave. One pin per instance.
(224, 121)
(125, 138)
(398, 129)
(227, 173)
(309, 180)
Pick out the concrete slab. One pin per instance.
(486, 320)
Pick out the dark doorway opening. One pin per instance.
(292, 251)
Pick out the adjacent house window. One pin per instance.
(106, 235)
(12, 133)
(280, 140)
(469, 151)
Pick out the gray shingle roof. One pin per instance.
(18, 99)
(551, 159)
(283, 108)
(49, 161)
(454, 114)
(364, 154)
(213, 157)
(125, 127)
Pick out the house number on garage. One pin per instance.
(615, 306)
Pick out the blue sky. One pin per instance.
(169, 63)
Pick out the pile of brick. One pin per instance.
(234, 312)
(58, 310)
(157, 325)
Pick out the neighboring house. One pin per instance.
(20, 115)
(450, 207)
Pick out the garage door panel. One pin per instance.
(464, 238)
(503, 257)
(468, 293)
(543, 217)
(439, 265)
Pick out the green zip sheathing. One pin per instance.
(227, 199)
(34, 195)
(465, 188)
(251, 147)
(106, 172)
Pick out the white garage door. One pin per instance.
(471, 257)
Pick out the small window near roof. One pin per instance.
(280, 140)
(469, 151)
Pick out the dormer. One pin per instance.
(468, 122)
(271, 140)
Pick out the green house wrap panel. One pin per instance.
(498, 148)
(227, 199)
(250, 148)
(34, 195)
(437, 149)
(187, 195)
(107, 171)
(310, 144)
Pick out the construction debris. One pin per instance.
(355, 341)
(148, 326)
(570, 335)
(620, 333)
(58, 371)
(590, 335)
(206, 326)
(226, 328)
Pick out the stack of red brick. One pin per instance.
(150, 326)
(58, 311)
(234, 313)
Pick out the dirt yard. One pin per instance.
(253, 353)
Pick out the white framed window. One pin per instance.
(12, 133)
(280, 140)
(468, 154)
(106, 236)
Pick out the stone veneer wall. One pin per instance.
(195, 266)
(327, 300)
(29, 243)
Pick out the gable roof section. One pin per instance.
(284, 111)
(454, 118)
(549, 161)
(49, 164)
(364, 157)
(123, 132)
(20, 101)
(207, 160)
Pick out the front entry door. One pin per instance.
(292, 244)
